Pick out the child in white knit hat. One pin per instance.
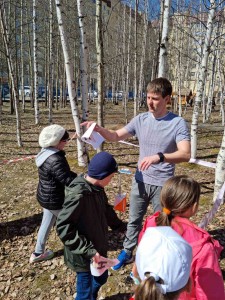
(54, 174)
(163, 261)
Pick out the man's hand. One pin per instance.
(87, 124)
(148, 161)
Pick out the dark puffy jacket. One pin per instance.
(54, 175)
(82, 224)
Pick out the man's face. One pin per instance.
(157, 104)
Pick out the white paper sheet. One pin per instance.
(92, 137)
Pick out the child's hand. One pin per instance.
(74, 136)
(134, 270)
(135, 279)
(96, 258)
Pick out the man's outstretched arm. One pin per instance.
(109, 135)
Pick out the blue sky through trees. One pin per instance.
(193, 6)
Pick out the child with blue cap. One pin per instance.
(82, 225)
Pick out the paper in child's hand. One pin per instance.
(103, 264)
(92, 137)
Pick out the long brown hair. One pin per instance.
(178, 194)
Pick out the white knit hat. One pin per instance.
(51, 135)
(164, 254)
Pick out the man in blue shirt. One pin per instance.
(164, 140)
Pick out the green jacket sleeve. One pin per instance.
(66, 226)
(112, 219)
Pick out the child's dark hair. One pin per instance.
(148, 290)
(65, 136)
(178, 194)
(160, 86)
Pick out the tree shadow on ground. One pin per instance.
(19, 227)
(58, 253)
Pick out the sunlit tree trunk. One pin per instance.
(36, 105)
(11, 72)
(21, 55)
(30, 56)
(135, 57)
(128, 67)
(124, 46)
(83, 60)
(164, 41)
(82, 158)
(144, 41)
(202, 77)
(100, 61)
(220, 169)
(50, 63)
(221, 89)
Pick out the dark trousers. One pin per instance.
(88, 285)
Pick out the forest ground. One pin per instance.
(20, 214)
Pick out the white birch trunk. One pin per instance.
(36, 105)
(220, 169)
(128, 66)
(21, 56)
(124, 42)
(135, 57)
(144, 42)
(164, 41)
(11, 73)
(100, 63)
(50, 63)
(221, 88)
(201, 81)
(83, 60)
(82, 159)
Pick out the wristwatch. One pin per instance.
(161, 157)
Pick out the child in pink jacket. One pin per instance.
(180, 200)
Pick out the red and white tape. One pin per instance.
(206, 219)
(219, 199)
(6, 162)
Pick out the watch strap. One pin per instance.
(161, 157)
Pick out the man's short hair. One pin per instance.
(160, 86)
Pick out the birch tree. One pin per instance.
(135, 57)
(222, 91)
(21, 55)
(83, 60)
(202, 77)
(220, 169)
(11, 72)
(50, 66)
(36, 105)
(144, 41)
(164, 40)
(128, 66)
(82, 156)
(100, 61)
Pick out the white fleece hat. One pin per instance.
(164, 254)
(51, 135)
